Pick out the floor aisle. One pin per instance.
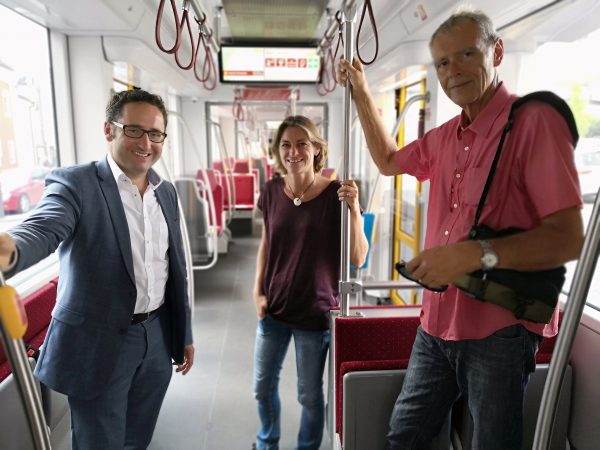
(212, 408)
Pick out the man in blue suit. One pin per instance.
(122, 313)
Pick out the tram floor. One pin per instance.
(212, 407)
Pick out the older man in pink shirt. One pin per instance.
(467, 347)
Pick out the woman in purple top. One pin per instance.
(297, 275)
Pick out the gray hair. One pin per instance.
(478, 17)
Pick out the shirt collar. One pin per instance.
(487, 120)
(154, 179)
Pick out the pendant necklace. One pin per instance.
(298, 198)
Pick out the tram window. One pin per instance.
(563, 67)
(27, 126)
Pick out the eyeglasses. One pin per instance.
(136, 132)
(402, 270)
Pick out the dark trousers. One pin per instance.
(125, 414)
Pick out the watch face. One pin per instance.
(489, 260)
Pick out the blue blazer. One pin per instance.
(82, 209)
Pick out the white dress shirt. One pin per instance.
(149, 237)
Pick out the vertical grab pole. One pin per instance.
(348, 19)
(584, 272)
(13, 324)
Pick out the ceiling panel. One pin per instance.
(274, 20)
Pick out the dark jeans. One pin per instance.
(491, 374)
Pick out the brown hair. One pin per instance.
(311, 130)
(115, 105)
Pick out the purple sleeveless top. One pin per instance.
(302, 255)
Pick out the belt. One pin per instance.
(142, 317)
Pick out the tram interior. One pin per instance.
(61, 59)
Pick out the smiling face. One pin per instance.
(466, 65)
(135, 156)
(296, 151)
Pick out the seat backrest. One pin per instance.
(370, 344)
(241, 166)
(38, 308)
(14, 426)
(214, 181)
(244, 190)
(369, 398)
(262, 172)
(269, 170)
(214, 178)
(195, 211)
(218, 165)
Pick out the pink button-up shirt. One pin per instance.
(535, 177)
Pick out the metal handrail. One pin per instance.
(584, 272)
(187, 246)
(348, 19)
(200, 185)
(415, 98)
(211, 200)
(17, 357)
(332, 29)
(229, 182)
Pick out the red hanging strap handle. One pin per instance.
(209, 68)
(237, 109)
(328, 76)
(367, 6)
(209, 71)
(161, 7)
(185, 20)
(201, 43)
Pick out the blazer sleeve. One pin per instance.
(53, 221)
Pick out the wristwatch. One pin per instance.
(489, 260)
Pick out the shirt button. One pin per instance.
(458, 175)
(446, 232)
(455, 205)
(467, 148)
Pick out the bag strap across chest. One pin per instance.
(540, 96)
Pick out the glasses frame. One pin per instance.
(402, 270)
(125, 127)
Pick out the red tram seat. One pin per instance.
(38, 307)
(371, 349)
(218, 165)
(370, 344)
(244, 192)
(14, 427)
(217, 193)
(269, 169)
(241, 166)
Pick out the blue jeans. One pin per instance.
(491, 374)
(272, 341)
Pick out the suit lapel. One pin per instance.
(117, 213)
(168, 208)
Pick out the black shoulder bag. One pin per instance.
(529, 295)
